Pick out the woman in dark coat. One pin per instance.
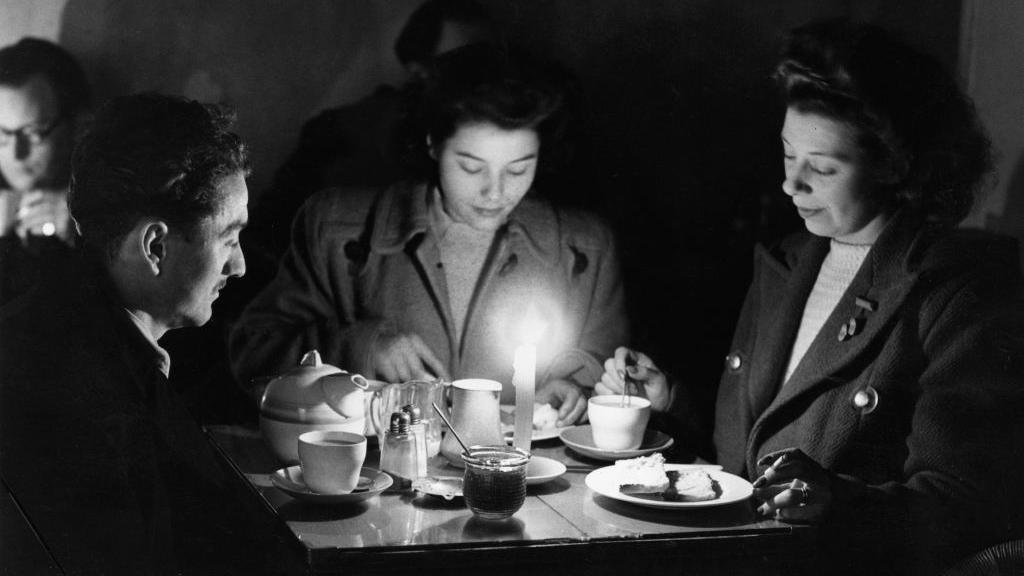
(876, 377)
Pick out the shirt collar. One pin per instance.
(407, 213)
(163, 359)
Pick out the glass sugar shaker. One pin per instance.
(398, 452)
(419, 431)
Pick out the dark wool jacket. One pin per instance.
(361, 265)
(106, 463)
(919, 415)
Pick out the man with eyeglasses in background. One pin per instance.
(44, 100)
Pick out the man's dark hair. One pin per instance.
(418, 40)
(151, 156)
(31, 56)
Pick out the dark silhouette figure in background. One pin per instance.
(44, 101)
(362, 144)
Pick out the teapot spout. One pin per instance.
(345, 394)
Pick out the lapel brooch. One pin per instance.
(855, 325)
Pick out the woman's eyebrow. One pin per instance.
(825, 153)
(529, 156)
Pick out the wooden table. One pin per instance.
(563, 527)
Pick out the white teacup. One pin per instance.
(331, 461)
(618, 423)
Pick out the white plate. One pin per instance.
(605, 481)
(581, 439)
(371, 483)
(541, 470)
(508, 412)
(538, 471)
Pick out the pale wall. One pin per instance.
(992, 63)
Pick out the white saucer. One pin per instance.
(541, 470)
(538, 471)
(581, 439)
(371, 483)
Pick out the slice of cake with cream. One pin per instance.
(647, 476)
(690, 486)
(643, 475)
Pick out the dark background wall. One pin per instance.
(681, 128)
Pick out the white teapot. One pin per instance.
(311, 396)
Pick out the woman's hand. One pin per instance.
(641, 370)
(45, 213)
(793, 487)
(404, 357)
(568, 397)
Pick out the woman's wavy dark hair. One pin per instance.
(920, 132)
(493, 84)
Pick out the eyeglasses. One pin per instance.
(34, 134)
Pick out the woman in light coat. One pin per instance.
(440, 277)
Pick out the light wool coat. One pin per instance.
(362, 264)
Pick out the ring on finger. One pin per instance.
(805, 496)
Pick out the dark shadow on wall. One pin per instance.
(274, 63)
(1011, 221)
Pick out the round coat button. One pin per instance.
(734, 362)
(866, 400)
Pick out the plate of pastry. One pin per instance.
(581, 439)
(544, 418)
(649, 481)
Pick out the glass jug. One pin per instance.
(390, 398)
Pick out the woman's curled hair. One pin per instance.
(917, 128)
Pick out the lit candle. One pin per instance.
(524, 379)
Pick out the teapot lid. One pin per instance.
(294, 395)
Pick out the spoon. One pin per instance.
(465, 450)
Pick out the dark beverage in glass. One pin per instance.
(494, 483)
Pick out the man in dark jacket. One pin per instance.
(108, 466)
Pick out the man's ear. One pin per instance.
(153, 243)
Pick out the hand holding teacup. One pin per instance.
(641, 370)
(45, 213)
